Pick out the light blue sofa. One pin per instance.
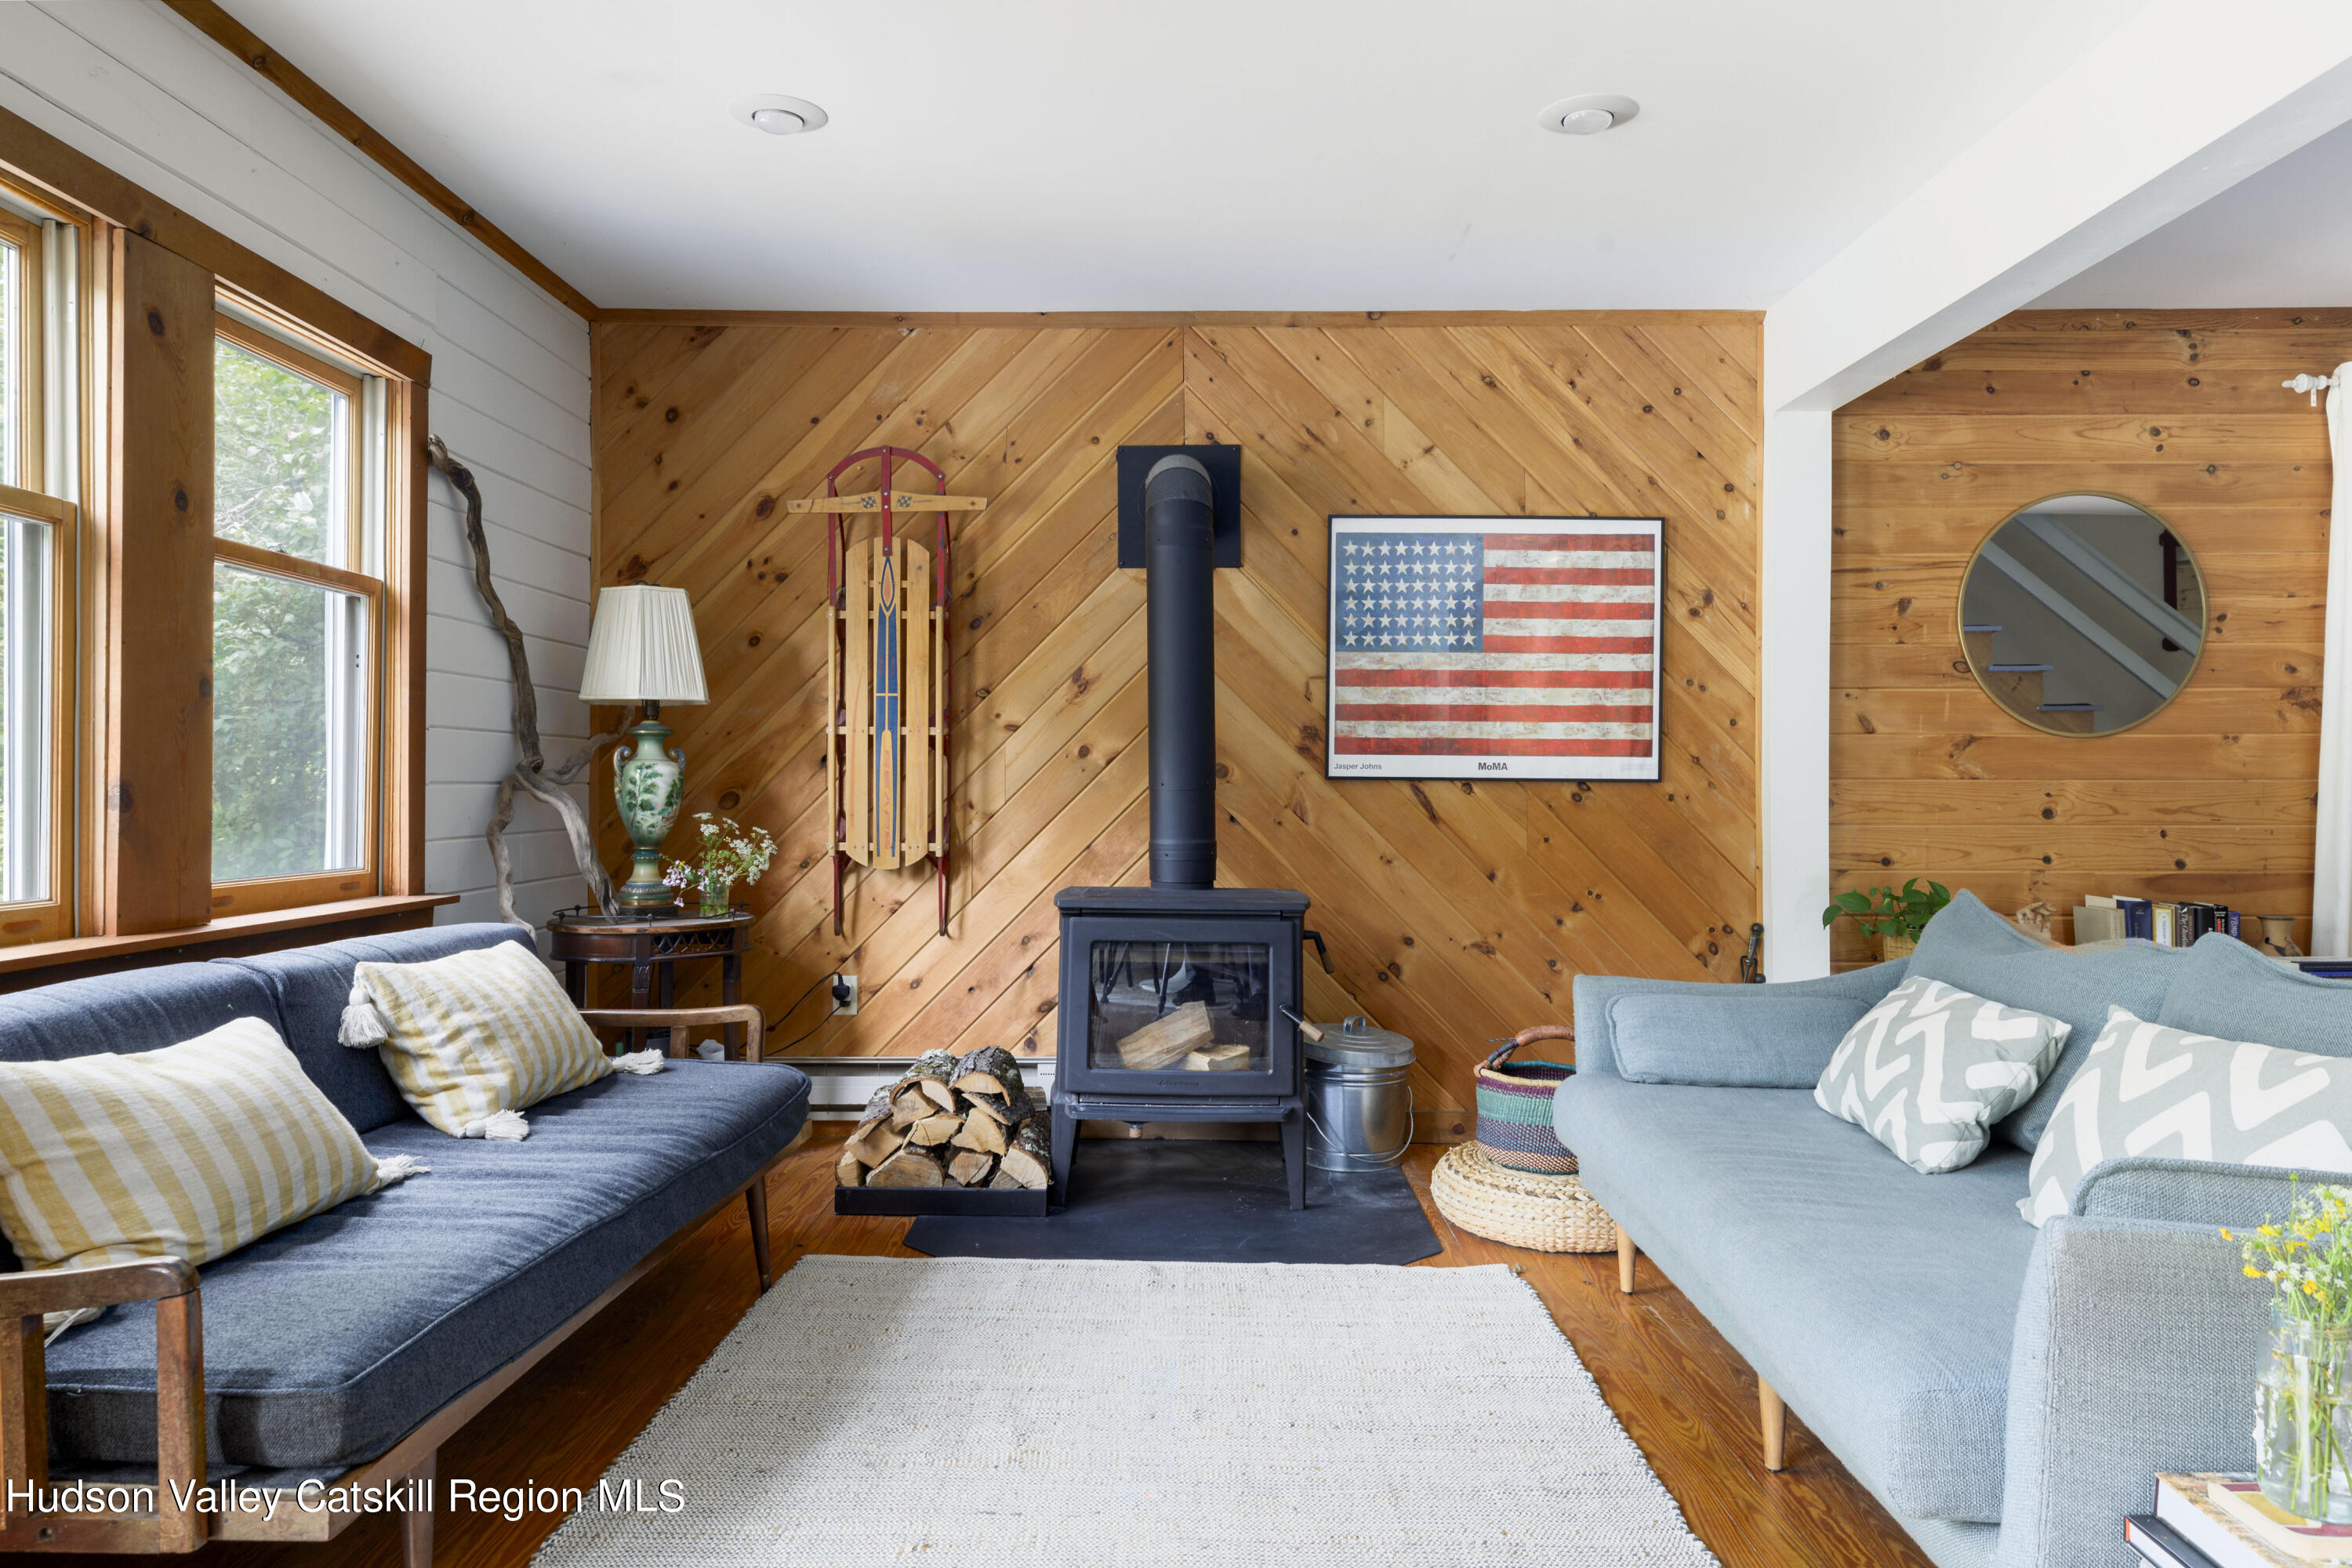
(2007, 1393)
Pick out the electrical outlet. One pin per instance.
(844, 994)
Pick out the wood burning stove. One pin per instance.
(1176, 1006)
(1178, 1000)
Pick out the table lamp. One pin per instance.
(641, 649)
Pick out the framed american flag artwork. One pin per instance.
(1508, 648)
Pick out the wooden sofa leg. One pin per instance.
(1776, 1426)
(755, 1200)
(416, 1523)
(1625, 1255)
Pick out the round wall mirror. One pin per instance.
(2082, 614)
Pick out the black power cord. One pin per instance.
(841, 996)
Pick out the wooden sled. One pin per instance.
(888, 670)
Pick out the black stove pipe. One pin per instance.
(1180, 568)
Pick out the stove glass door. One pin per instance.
(1179, 1005)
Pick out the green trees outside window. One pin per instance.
(289, 656)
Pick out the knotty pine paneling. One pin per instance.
(2182, 412)
(1456, 912)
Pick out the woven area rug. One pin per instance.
(975, 1413)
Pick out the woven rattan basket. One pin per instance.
(1521, 1208)
(1515, 1106)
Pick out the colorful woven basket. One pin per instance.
(1514, 1108)
(1543, 1214)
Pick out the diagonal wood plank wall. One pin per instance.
(1455, 913)
(2180, 411)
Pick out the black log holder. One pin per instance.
(963, 1203)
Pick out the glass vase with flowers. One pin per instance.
(724, 853)
(2300, 1414)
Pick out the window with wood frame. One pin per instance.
(212, 586)
(37, 576)
(299, 517)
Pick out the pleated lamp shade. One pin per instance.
(642, 648)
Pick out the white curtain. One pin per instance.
(2331, 882)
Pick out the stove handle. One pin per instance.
(1320, 950)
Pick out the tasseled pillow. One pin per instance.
(474, 1038)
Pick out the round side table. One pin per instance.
(651, 945)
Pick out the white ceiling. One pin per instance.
(2279, 239)
(1227, 155)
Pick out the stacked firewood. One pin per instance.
(964, 1122)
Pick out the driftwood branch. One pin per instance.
(531, 775)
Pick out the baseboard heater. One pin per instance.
(839, 1087)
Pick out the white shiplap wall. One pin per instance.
(130, 84)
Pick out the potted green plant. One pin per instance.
(1893, 918)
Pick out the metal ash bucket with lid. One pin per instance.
(1359, 1105)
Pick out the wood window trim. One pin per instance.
(102, 211)
(261, 895)
(319, 574)
(149, 796)
(315, 366)
(319, 370)
(49, 919)
(36, 506)
(85, 950)
(266, 895)
(400, 608)
(32, 245)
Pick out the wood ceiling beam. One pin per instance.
(240, 40)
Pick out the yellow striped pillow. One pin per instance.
(473, 1037)
(189, 1152)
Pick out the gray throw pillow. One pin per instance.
(2228, 988)
(1732, 1036)
(2146, 1089)
(1969, 946)
(1929, 1070)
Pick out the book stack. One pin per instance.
(2224, 1521)
(2101, 917)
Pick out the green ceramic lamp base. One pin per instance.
(645, 889)
(648, 784)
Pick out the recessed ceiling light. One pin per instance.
(1588, 114)
(776, 114)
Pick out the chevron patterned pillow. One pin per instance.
(2148, 1088)
(1929, 1070)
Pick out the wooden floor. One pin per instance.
(1685, 1396)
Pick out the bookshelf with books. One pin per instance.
(2107, 917)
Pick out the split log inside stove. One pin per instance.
(1166, 1039)
(1181, 1037)
(951, 1121)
